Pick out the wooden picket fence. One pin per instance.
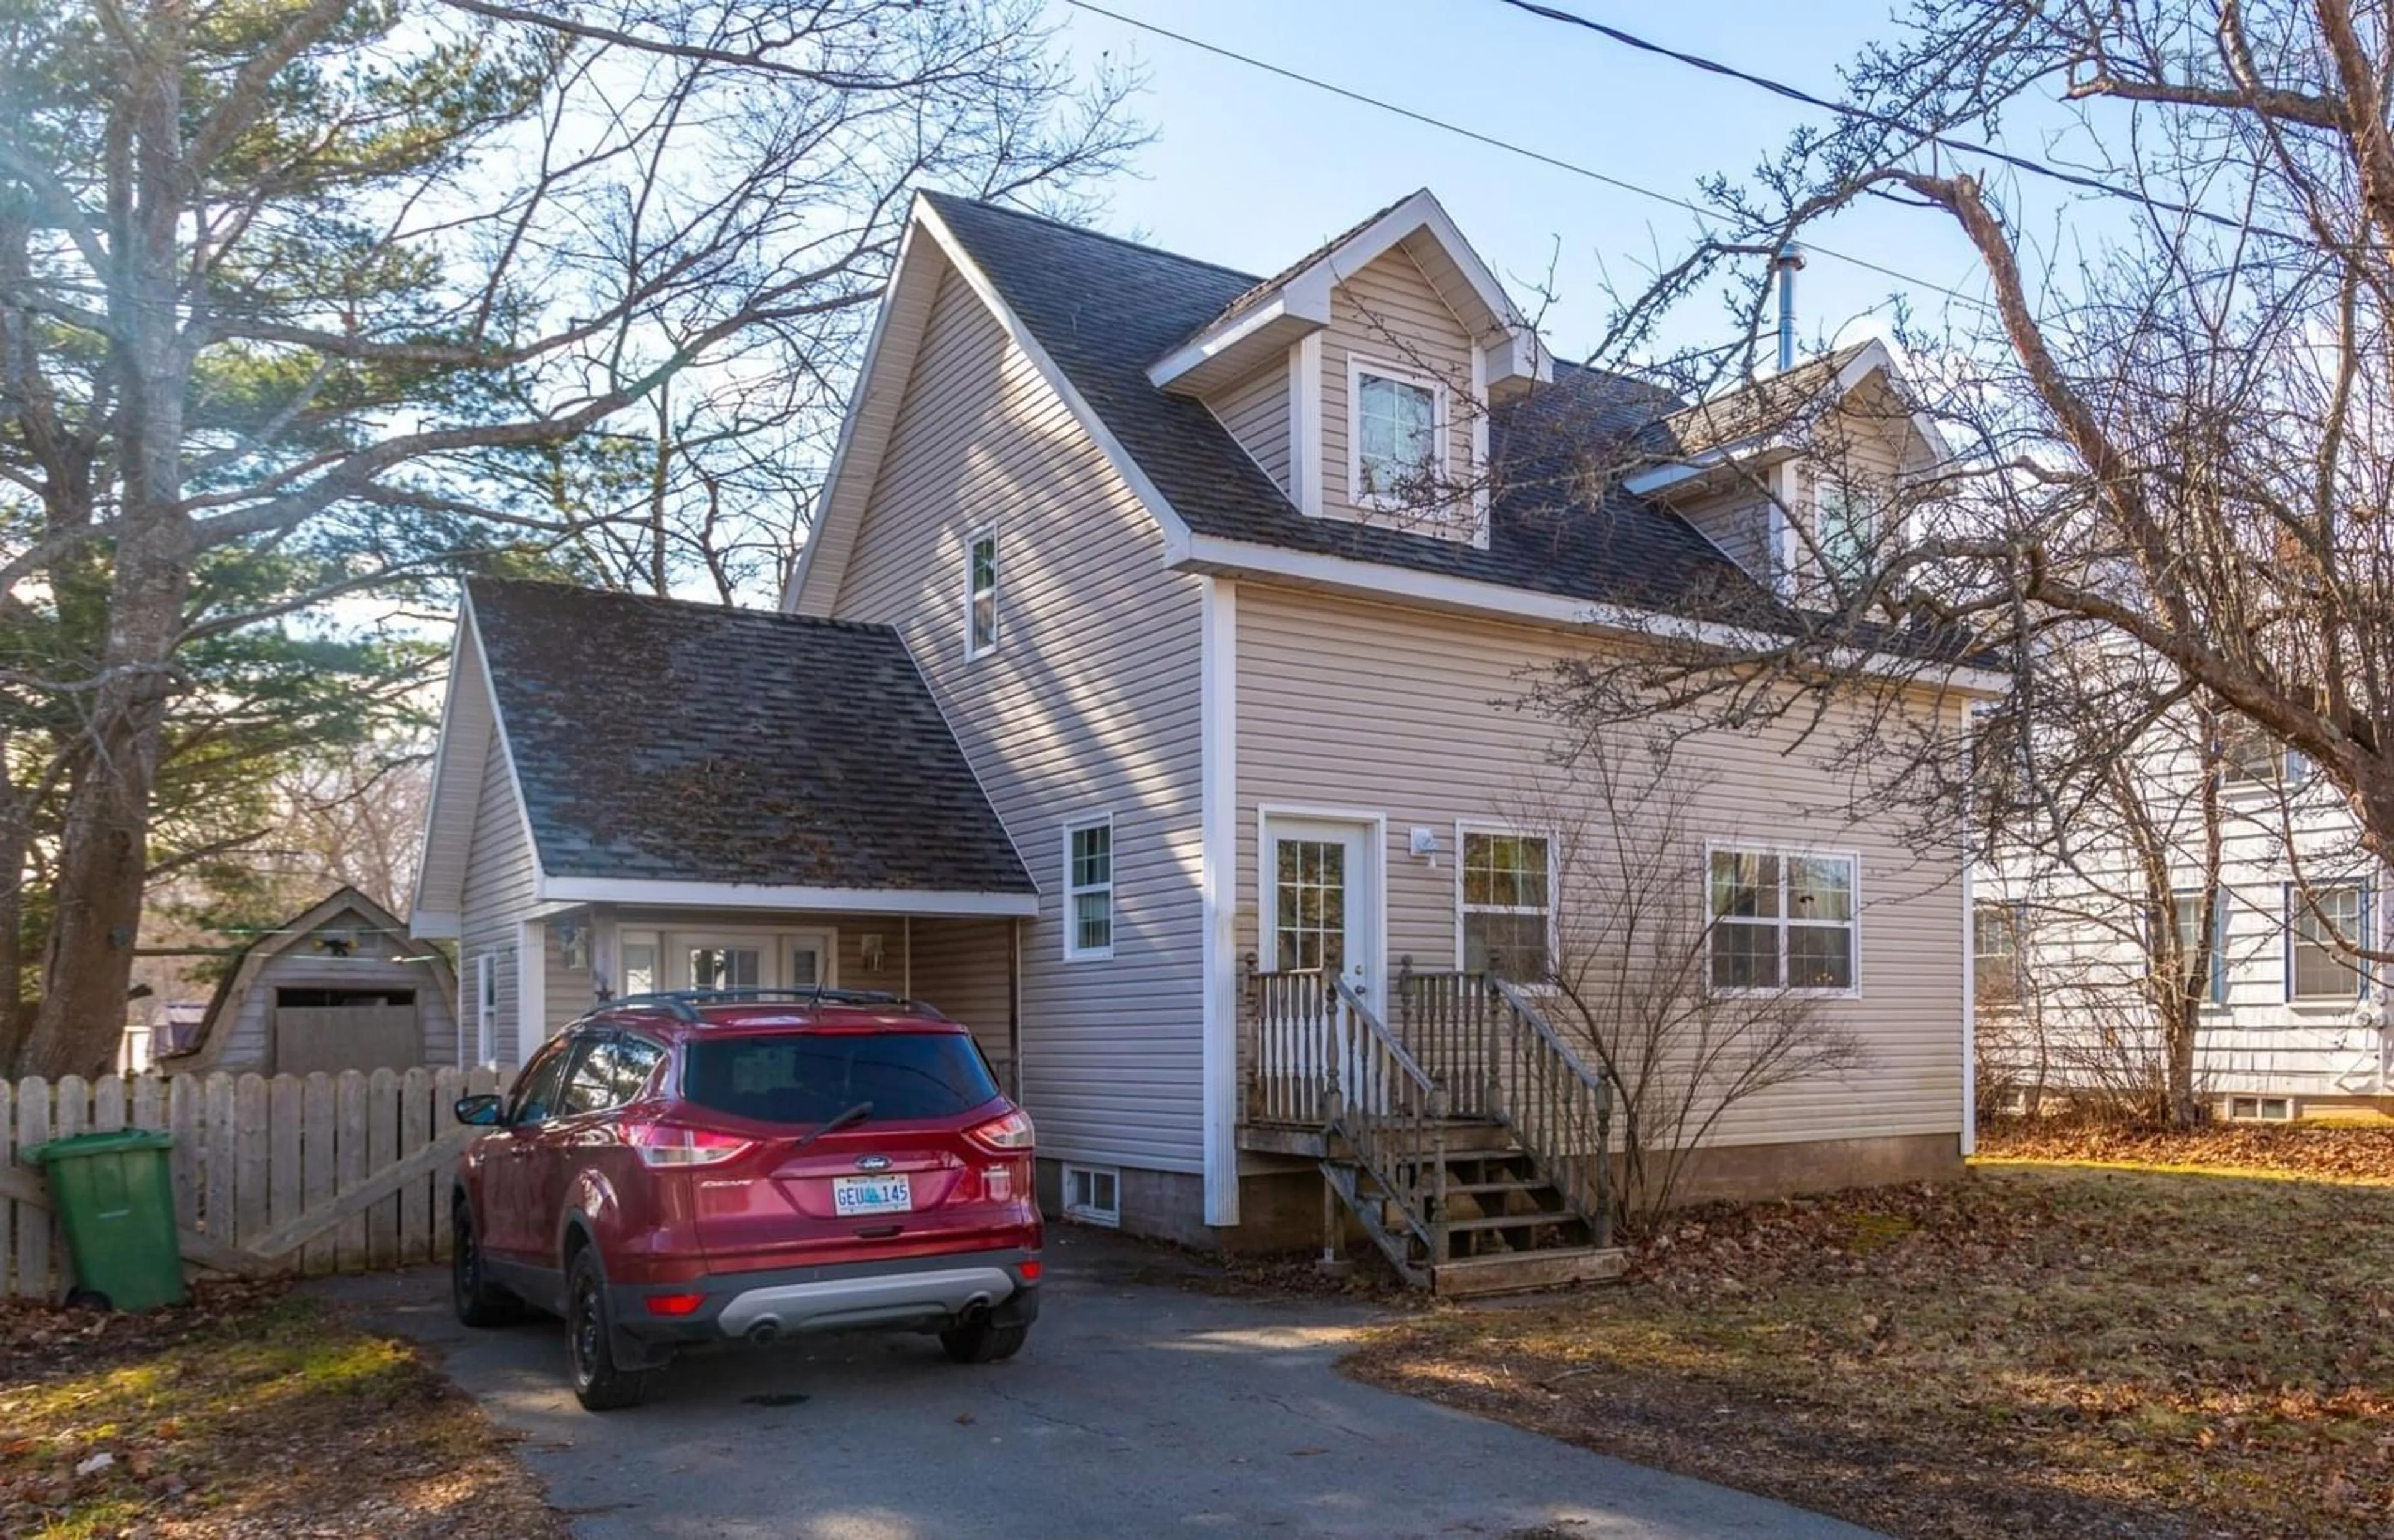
(316, 1173)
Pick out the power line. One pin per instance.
(1494, 142)
(1780, 88)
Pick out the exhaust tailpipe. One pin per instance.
(764, 1331)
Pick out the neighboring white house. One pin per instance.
(1130, 522)
(2291, 1025)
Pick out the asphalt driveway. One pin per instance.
(1141, 1407)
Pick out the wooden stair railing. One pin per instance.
(1392, 1117)
(1558, 1108)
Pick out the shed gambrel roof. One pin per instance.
(661, 741)
(1105, 309)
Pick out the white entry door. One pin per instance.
(1321, 900)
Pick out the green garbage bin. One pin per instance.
(116, 1198)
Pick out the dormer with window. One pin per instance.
(1801, 477)
(1361, 380)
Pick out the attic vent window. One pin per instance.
(1396, 433)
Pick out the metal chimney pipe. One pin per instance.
(1787, 264)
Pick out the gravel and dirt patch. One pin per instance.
(250, 1412)
(2035, 1350)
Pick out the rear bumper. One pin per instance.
(927, 1292)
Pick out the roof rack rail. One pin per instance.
(682, 1004)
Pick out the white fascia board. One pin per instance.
(1176, 529)
(457, 637)
(1440, 590)
(499, 736)
(1214, 341)
(866, 380)
(746, 895)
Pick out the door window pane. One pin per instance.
(640, 967)
(1310, 899)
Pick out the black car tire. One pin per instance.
(983, 1341)
(479, 1301)
(598, 1385)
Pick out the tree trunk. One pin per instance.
(104, 844)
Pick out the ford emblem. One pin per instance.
(873, 1163)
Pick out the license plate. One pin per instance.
(871, 1195)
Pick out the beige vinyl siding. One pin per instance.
(1256, 412)
(1395, 713)
(497, 895)
(1737, 522)
(1389, 313)
(960, 970)
(566, 992)
(1088, 705)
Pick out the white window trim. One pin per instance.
(1441, 428)
(1111, 1218)
(1785, 852)
(1554, 883)
(2297, 911)
(1074, 950)
(973, 647)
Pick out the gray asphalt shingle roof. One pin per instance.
(1105, 309)
(667, 741)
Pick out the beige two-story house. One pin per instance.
(1226, 590)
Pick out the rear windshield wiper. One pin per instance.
(848, 1118)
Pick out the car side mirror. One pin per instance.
(483, 1112)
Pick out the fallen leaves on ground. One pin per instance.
(248, 1412)
(2033, 1350)
(2324, 1152)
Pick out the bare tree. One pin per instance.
(322, 285)
(1641, 974)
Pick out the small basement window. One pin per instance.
(2260, 1109)
(1093, 1194)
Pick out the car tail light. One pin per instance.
(1009, 1135)
(664, 1144)
(675, 1304)
(1029, 1269)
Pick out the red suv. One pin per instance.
(743, 1165)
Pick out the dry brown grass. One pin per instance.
(247, 1413)
(2038, 1350)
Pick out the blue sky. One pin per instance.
(1252, 170)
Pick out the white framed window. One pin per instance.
(1396, 435)
(1995, 928)
(2317, 967)
(1783, 919)
(486, 1008)
(1505, 902)
(1845, 527)
(1093, 1194)
(2250, 758)
(981, 594)
(640, 950)
(1089, 889)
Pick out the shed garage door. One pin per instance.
(372, 1032)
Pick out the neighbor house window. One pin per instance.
(2185, 912)
(2317, 967)
(1395, 430)
(1089, 889)
(2249, 757)
(1781, 920)
(980, 594)
(1508, 904)
(1995, 935)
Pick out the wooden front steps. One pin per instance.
(1494, 1226)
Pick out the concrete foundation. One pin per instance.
(1280, 1198)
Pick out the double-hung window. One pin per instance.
(2186, 912)
(2318, 967)
(1395, 420)
(1508, 904)
(1996, 933)
(1089, 889)
(1845, 526)
(1782, 920)
(980, 594)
